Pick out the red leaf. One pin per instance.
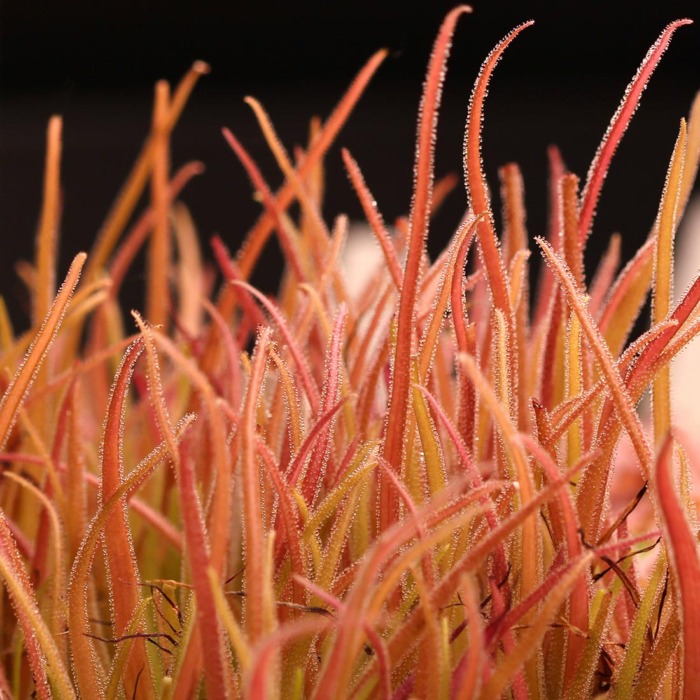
(683, 556)
(618, 126)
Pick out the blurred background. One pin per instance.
(96, 63)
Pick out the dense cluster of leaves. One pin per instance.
(402, 490)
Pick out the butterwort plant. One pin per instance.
(406, 489)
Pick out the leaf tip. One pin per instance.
(201, 67)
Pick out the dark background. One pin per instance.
(95, 63)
